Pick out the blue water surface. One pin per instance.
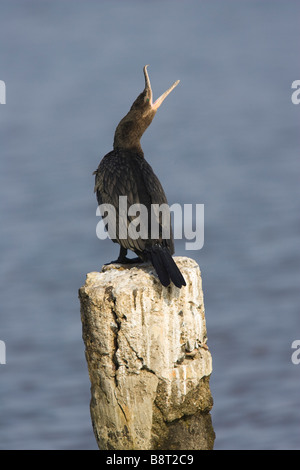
(227, 137)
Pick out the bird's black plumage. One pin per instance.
(125, 172)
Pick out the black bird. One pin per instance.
(125, 172)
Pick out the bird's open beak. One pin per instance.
(159, 100)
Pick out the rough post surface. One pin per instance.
(147, 357)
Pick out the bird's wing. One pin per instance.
(160, 209)
(121, 175)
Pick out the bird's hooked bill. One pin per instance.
(159, 100)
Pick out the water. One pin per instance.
(227, 137)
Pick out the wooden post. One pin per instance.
(147, 357)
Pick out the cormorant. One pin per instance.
(125, 172)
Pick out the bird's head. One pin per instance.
(133, 125)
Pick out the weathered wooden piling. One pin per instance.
(148, 361)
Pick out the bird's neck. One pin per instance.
(133, 146)
(129, 132)
(128, 135)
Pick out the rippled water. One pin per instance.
(228, 137)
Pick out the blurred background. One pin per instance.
(227, 137)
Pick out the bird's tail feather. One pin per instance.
(165, 266)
